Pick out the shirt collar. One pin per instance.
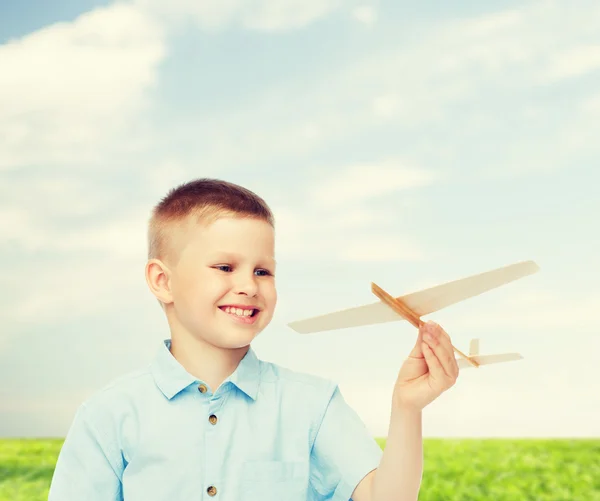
(171, 377)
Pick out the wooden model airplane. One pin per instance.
(416, 304)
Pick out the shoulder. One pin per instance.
(302, 399)
(298, 390)
(275, 374)
(117, 395)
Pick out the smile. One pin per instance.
(241, 318)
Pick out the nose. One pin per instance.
(245, 285)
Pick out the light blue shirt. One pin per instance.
(268, 433)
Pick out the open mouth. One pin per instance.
(232, 311)
(243, 315)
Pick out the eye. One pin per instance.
(227, 268)
(266, 272)
(219, 267)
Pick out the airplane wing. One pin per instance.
(488, 359)
(421, 302)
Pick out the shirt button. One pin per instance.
(202, 388)
(212, 490)
(213, 419)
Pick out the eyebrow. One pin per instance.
(233, 255)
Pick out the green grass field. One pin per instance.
(465, 470)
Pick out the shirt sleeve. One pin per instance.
(87, 467)
(343, 452)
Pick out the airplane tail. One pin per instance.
(474, 347)
(485, 359)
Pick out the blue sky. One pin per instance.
(403, 144)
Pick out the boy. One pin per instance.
(207, 419)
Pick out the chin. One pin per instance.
(235, 341)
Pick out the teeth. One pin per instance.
(239, 311)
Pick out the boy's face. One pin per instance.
(228, 263)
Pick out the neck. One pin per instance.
(204, 361)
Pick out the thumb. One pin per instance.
(417, 351)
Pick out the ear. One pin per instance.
(158, 278)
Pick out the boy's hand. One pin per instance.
(429, 370)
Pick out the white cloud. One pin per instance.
(537, 310)
(278, 15)
(573, 62)
(260, 15)
(363, 182)
(414, 84)
(98, 267)
(65, 263)
(452, 61)
(72, 289)
(507, 400)
(120, 46)
(16, 227)
(70, 92)
(168, 173)
(387, 105)
(99, 70)
(70, 89)
(591, 105)
(207, 15)
(338, 222)
(490, 24)
(32, 223)
(439, 68)
(381, 248)
(365, 14)
(124, 237)
(358, 234)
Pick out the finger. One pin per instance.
(442, 347)
(435, 367)
(445, 354)
(417, 351)
(453, 362)
(448, 359)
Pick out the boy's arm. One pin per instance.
(401, 467)
(429, 370)
(88, 467)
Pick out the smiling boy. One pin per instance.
(207, 419)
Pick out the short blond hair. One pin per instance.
(201, 201)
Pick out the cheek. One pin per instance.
(213, 293)
(182, 290)
(202, 294)
(271, 295)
